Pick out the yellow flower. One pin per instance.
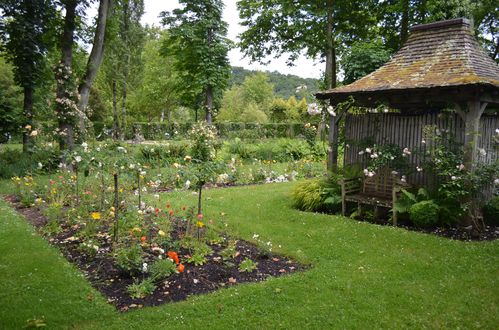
(161, 233)
(95, 215)
(200, 224)
(136, 230)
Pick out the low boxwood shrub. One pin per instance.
(491, 211)
(424, 214)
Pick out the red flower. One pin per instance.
(170, 213)
(157, 211)
(174, 256)
(200, 216)
(143, 239)
(180, 268)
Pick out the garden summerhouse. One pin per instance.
(441, 66)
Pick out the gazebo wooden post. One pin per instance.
(332, 160)
(333, 143)
(471, 117)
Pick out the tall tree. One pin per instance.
(156, 97)
(249, 102)
(24, 28)
(122, 68)
(318, 29)
(69, 107)
(94, 60)
(199, 44)
(397, 16)
(11, 103)
(66, 99)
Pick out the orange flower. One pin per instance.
(174, 256)
(180, 268)
(168, 205)
(170, 213)
(183, 208)
(143, 239)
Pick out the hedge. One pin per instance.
(165, 131)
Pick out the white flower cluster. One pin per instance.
(313, 109)
(369, 173)
(223, 178)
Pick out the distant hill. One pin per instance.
(284, 84)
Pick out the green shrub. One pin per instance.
(317, 195)
(16, 163)
(296, 149)
(307, 195)
(247, 265)
(230, 252)
(491, 211)
(162, 269)
(240, 148)
(130, 259)
(424, 214)
(142, 289)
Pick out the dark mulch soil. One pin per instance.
(488, 233)
(112, 283)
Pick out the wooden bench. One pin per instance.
(380, 190)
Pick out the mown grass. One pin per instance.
(361, 275)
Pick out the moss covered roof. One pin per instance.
(440, 54)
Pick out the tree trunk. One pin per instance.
(66, 120)
(330, 73)
(28, 115)
(116, 122)
(94, 60)
(125, 31)
(123, 109)
(404, 24)
(209, 103)
(332, 164)
(200, 191)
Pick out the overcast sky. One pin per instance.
(303, 67)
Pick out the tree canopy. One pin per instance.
(199, 44)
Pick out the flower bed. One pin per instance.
(226, 262)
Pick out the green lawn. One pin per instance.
(362, 276)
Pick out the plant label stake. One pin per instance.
(116, 202)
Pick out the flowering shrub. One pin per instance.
(458, 186)
(388, 156)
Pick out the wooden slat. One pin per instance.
(406, 131)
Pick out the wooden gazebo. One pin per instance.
(440, 66)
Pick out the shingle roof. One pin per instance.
(441, 54)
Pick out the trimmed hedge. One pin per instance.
(165, 131)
